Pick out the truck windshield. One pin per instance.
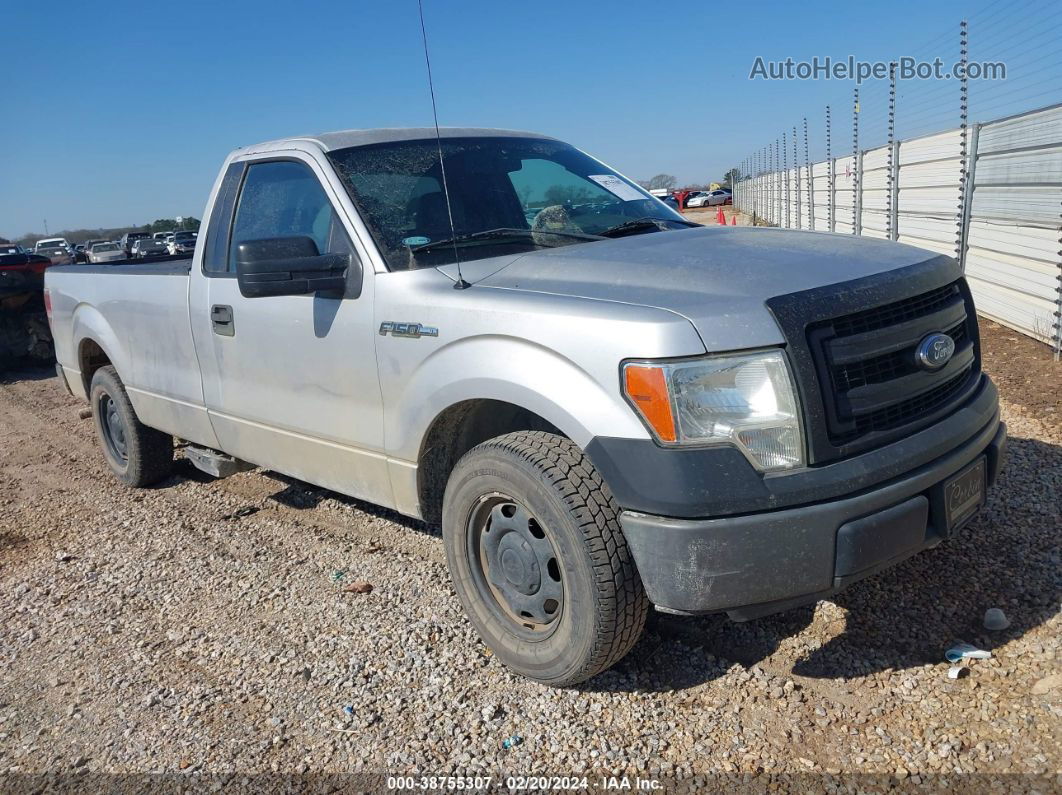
(507, 195)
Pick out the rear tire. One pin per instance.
(554, 592)
(137, 455)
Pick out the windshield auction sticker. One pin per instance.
(617, 187)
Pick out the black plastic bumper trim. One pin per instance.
(758, 564)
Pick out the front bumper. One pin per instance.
(756, 564)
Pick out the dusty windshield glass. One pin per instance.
(507, 195)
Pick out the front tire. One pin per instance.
(136, 454)
(538, 558)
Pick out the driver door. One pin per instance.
(290, 382)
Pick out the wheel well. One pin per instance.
(91, 357)
(456, 431)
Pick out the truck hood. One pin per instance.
(718, 278)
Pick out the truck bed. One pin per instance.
(140, 324)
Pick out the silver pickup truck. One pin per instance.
(604, 405)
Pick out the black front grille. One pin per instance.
(898, 312)
(877, 369)
(912, 409)
(869, 375)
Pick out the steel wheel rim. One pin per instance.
(515, 566)
(113, 428)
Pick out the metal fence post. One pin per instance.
(829, 177)
(967, 190)
(894, 200)
(744, 184)
(811, 179)
(764, 203)
(773, 184)
(785, 181)
(769, 186)
(857, 171)
(964, 177)
(755, 166)
(762, 181)
(797, 189)
(759, 182)
(1058, 309)
(890, 173)
(857, 175)
(778, 185)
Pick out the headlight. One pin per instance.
(747, 400)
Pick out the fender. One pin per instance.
(513, 370)
(89, 324)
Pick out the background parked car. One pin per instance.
(129, 238)
(90, 243)
(55, 249)
(696, 198)
(105, 252)
(148, 247)
(80, 253)
(721, 196)
(183, 242)
(21, 277)
(50, 242)
(670, 201)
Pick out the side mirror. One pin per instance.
(288, 266)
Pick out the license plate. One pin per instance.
(964, 494)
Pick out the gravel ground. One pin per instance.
(205, 627)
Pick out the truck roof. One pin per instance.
(342, 139)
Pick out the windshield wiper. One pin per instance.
(502, 232)
(637, 224)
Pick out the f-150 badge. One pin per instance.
(407, 330)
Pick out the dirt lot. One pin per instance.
(202, 627)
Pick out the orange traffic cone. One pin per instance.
(720, 218)
(733, 220)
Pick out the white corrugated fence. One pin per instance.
(1006, 230)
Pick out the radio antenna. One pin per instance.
(460, 284)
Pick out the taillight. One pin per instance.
(48, 304)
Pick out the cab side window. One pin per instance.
(285, 199)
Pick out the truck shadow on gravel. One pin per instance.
(903, 618)
(299, 496)
(26, 370)
(302, 497)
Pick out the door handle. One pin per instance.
(221, 318)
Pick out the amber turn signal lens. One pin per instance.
(646, 386)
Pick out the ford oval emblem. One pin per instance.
(935, 351)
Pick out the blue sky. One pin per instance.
(121, 112)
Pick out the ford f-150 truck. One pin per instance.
(604, 405)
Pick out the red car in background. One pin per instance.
(24, 334)
(21, 278)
